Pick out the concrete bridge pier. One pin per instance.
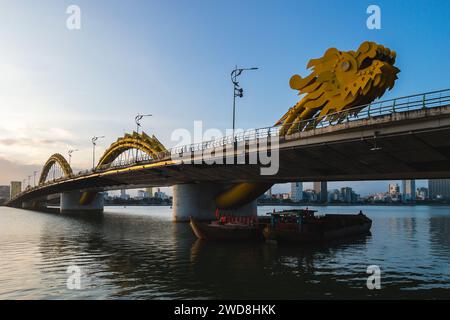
(28, 205)
(198, 201)
(70, 203)
(33, 204)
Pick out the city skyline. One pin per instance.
(406, 192)
(367, 187)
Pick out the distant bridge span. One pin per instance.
(404, 138)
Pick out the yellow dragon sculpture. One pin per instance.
(339, 80)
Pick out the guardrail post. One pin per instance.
(423, 101)
(393, 106)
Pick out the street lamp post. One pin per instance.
(237, 90)
(138, 119)
(70, 154)
(34, 178)
(94, 143)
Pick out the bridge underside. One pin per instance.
(409, 145)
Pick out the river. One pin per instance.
(138, 253)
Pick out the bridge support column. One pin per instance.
(198, 201)
(70, 203)
(28, 205)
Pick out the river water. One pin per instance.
(138, 253)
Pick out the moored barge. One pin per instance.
(287, 226)
(303, 226)
(228, 229)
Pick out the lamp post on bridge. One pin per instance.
(34, 178)
(138, 120)
(94, 143)
(70, 154)
(237, 90)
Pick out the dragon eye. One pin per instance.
(345, 65)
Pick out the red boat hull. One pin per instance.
(225, 232)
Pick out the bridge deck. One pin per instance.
(409, 145)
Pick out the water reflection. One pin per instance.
(140, 253)
(132, 254)
(269, 271)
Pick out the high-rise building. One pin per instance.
(394, 189)
(160, 195)
(310, 195)
(347, 194)
(5, 192)
(282, 196)
(124, 195)
(16, 188)
(142, 194)
(422, 193)
(321, 191)
(296, 191)
(334, 195)
(439, 188)
(409, 190)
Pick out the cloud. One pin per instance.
(16, 171)
(33, 144)
(30, 142)
(12, 171)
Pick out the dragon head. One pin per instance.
(340, 80)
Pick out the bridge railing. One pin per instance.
(403, 104)
(379, 108)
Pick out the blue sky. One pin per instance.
(59, 87)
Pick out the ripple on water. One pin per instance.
(137, 252)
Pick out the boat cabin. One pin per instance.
(291, 218)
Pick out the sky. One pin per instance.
(60, 87)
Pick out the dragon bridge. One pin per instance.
(55, 159)
(340, 80)
(150, 146)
